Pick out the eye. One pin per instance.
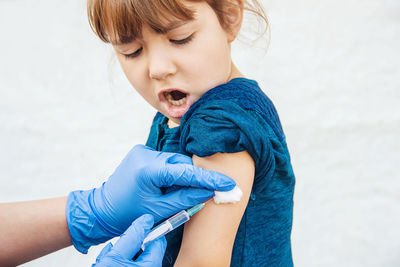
(134, 54)
(183, 41)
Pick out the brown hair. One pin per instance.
(120, 21)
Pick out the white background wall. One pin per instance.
(68, 116)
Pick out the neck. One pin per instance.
(235, 73)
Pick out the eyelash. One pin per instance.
(176, 42)
(183, 41)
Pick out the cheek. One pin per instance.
(138, 79)
(131, 72)
(212, 61)
(142, 87)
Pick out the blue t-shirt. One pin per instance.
(230, 118)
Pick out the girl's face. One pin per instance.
(173, 70)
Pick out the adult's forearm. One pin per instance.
(29, 230)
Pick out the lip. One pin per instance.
(171, 110)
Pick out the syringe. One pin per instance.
(171, 224)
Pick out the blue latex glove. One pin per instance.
(96, 215)
(129, 244)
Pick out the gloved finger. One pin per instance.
(186, 198)
(140, 151)
(189, 175)
(131, 240)
(142, 147)
(104, 252)
(169, 204)
(179, 159)
(153, 254)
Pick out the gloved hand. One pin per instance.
(129, 244)
(96, 215)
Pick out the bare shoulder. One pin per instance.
(208, 238)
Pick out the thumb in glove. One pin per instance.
(128, 245)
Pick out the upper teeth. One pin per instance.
(175, 102)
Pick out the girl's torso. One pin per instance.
(230, 118)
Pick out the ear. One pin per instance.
(233, 12)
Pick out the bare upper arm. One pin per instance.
(209, 236)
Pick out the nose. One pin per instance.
(160, 64)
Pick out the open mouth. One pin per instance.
(175, 97)
(175, 102)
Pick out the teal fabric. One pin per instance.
(230, 118)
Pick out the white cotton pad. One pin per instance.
(228, 196)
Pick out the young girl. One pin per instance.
(176, 54)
